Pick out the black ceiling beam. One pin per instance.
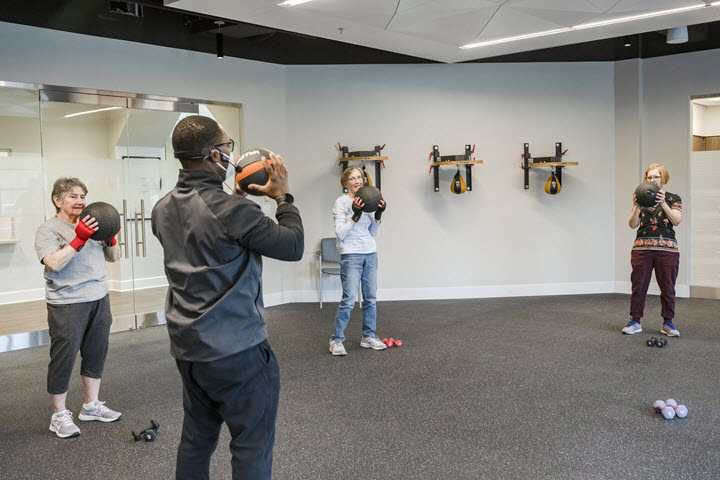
(164, 26)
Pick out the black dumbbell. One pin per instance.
(651, 342)
(662, 342)
(148, 434)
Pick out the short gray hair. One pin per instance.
(63, 186)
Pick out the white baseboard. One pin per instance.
(440, 293)
(19, 296)
(140, 284)
(681, 291)
(389, 294)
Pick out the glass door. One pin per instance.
(151, 172)
(22, 206)
(83, 136)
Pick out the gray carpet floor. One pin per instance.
(508, 388)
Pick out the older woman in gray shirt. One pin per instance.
(78, 307)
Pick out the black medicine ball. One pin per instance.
(370, 196)
(250, 169)
(646, 194)
(107, 217)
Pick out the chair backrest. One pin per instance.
(328, 250)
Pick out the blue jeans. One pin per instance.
(357, 269)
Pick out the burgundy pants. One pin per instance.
(666, 272)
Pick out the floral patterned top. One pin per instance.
(656, 231)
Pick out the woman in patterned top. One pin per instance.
(655, 247)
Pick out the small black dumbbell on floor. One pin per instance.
(662, 342)
(148, 434)
(651, 342)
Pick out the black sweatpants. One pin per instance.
(72, 327)
(241, 390)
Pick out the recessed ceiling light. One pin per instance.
(292, 3)
(584, 26)
(91, 111)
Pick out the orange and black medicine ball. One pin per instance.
(552, 186)
(250, 169)
(458, 184)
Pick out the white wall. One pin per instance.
(706, 120)
(705, 215)
(653, 125)
(34, 55)
(698, 119)
(669, 82)
(498, 239)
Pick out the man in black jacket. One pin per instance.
(213, 246)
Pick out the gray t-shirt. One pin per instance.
(83, 279)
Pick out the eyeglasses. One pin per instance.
(230, 144)
(654, 177)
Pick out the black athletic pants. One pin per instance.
(241, 390)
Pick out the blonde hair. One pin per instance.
(346, 174)
(664, 175)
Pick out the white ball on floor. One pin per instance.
(669, 413)
(681, 411)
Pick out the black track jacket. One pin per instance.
(213, 246)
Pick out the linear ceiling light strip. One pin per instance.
(590, 25)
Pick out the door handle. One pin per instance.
(141, 228)
(124, 242)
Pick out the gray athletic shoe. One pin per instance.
(632, 328)
(670, 330)
(63, 426)
(98, 411)
(372, 342)
(337, 348)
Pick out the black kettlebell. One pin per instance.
(148, 434)
(651, 342)
(662, 342)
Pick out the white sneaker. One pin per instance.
(98, 411)
(372, 342)
(63, 426)
(336, 347)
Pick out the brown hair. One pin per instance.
(664, 175)
(346, 174)
(62, 187)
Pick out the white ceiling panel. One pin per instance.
(565, 18)
(435, 29)
(451, 29)
(508, 22)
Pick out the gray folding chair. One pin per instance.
(327, 253)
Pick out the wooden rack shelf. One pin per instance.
(460, 162)
(362, 159)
